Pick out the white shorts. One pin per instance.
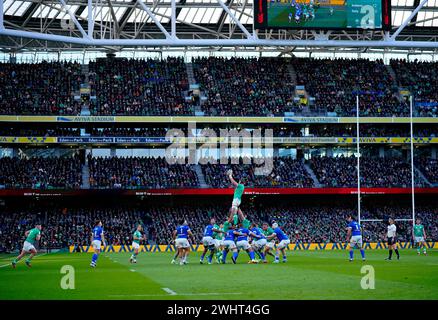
(208, 241)
(259, 244)
(218, 243)
(419, 239)
(243, 244)
(135, 245)
(236, 202)
(96, 244)
(182, 243)
(283, 244)
(27, 246)
(270, 244)
(229, 244)
(356, 241)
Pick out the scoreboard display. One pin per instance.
(322, 14)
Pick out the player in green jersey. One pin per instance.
(238, 192)
(136, 238)
(268, 231)
(32, 236)
(419, 235)
(219, 238)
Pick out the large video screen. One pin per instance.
(322, 14)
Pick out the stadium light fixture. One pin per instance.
(73, 18)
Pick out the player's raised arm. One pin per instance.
(230, 176)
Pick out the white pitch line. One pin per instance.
(169, 291)
(9, 264)
(177, 294)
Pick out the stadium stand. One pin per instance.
(139, 87)
(40, 173)
(40, 88)
(310, 223)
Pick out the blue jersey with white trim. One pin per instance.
(208, 231)
(280, 234)
(245, 236)
(259, 233)
(229, 235)
(97, 233)
(182, 232)
(355, 228)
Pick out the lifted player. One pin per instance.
(238, 192)
(32, 236)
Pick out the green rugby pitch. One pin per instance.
(306, 275)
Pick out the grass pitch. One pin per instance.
(306, 275)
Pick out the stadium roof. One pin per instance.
(65, 24)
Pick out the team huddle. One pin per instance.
(235, 234)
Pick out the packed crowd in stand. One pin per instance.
(232, 87)
(41, 173)
(302, 223)
(140, 172)
(245, 87)
(421, 79)
(40, 88)
(374, 172)
(335, 83)
(157, 173)
(277, 172)
(429, 167)
(139, 87)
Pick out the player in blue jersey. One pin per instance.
(97, 240)
(180, 235)
(258, 241)
(298, 12)
(243, 243)
(229, 243)
(283, 242)
(208, 241)
(354, 236)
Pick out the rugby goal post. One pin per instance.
(359, 218)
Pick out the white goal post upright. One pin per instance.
(358, 159)
(411, 122)
(412, 159)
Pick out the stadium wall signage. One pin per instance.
(210, 191)
(199, 119)
(291, 247)
(146, 140)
